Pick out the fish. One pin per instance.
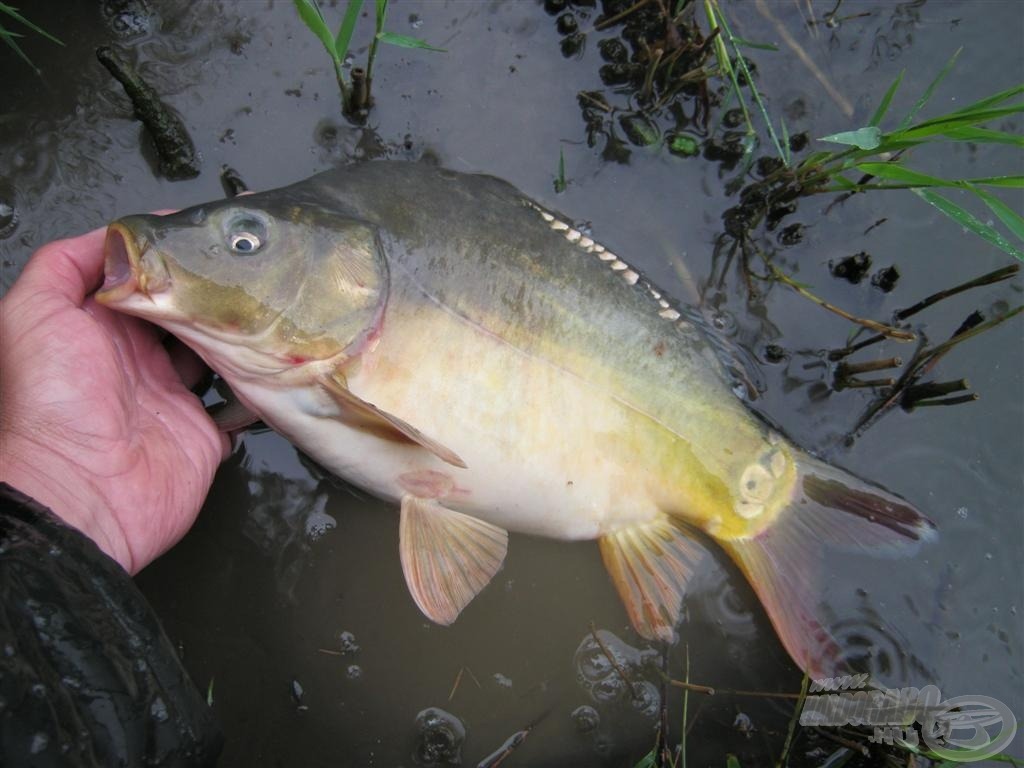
(445, 342)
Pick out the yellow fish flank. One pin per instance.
(442, 341)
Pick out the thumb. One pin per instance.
(70, 268)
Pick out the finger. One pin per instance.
(70, 268)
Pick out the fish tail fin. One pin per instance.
(650, 564)
(785, 562)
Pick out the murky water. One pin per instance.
(287, 597)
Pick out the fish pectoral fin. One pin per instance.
(650, 565)
(359, 414)
(231, 415)
(447, 557)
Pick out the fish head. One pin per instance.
(263, 282)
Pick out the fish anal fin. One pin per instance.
(359, 414)
(786, 562)
(447, 557)
(650, 565)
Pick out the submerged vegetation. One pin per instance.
(678, 77)
(356, 91)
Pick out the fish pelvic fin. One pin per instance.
(447, 557)
(359, 414)
(650, 565)
(786, 562)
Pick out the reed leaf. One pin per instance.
(927, 95)
(969, 221)
(348, 26)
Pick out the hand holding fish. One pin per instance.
(96, 418)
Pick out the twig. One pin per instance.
(922, 362)
(455, 685)
(614, 662)
(793, 721)
(843, 742)
(605, 23)
(844, 104)
(987, 279)
(885, 330)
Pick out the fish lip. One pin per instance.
(130, 266)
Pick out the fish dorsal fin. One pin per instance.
(650, 565)
(359, 414)
(447, 557)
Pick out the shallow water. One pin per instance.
(286, 560)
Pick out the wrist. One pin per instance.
(59, 484)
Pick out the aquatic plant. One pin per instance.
(9, 36)
(356, 96)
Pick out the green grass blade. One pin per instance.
(862, 138)
(348, 26)
(967, 220)
(991, 101)
(904, 175)
(309, 12)
(752, 44)
(560, 182)
(650, 760)
(949, 122)
(1013, 220)
(382, 13)
(13, 13)
(404, 41)
(8, 37)
(788, 158)
(927, 95)
(876, 119)
(897, 172)
(984, 136)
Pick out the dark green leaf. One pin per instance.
(8, 37)
(862, 138)
(404, 41)
(647, 761)
(876, 119)
(309, 12)
(926, 96)
(13, 13)
(731, 761)
(967, 220)
(751, 44)
(348, 25)
(382, 13)
(1013, 220)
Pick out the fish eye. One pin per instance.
(246, 234)
(245, 242)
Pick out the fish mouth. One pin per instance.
(130, 266)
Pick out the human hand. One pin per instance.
(96, 418)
